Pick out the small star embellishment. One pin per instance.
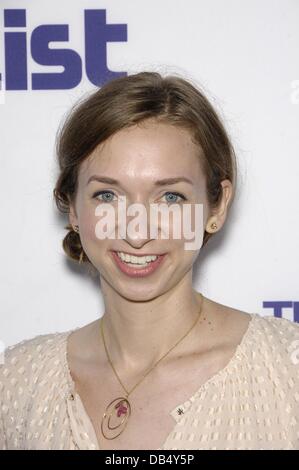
(180, 411)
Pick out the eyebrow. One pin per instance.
(163, 182)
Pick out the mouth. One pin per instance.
(137, 266)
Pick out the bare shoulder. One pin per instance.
(231, 322)
(82, 341)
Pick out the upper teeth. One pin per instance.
(136, 259)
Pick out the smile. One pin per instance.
(137, 266)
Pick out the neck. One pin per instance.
(137, 334)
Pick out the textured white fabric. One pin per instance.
(252, 403)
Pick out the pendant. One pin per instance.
(115, 417)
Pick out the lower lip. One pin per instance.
(137, 272)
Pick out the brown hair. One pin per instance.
(126, 101)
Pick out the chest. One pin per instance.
(159, 393)
(146, 425)
(150, 422)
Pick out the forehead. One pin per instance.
(145, 151)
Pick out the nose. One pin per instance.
(138, 231)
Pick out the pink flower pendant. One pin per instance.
(122, 409)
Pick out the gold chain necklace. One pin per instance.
(121, 405)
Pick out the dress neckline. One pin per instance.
(215, 378)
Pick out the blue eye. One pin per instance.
(102, 193)
(173, 195)
(172, 200)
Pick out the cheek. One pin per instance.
(188, 224)
(188, 256)
(88, 223)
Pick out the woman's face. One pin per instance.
(138, 157)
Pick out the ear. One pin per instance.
(73, 218)
(219, 214)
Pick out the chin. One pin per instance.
(142, 295)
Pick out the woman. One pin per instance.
(164, 367)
